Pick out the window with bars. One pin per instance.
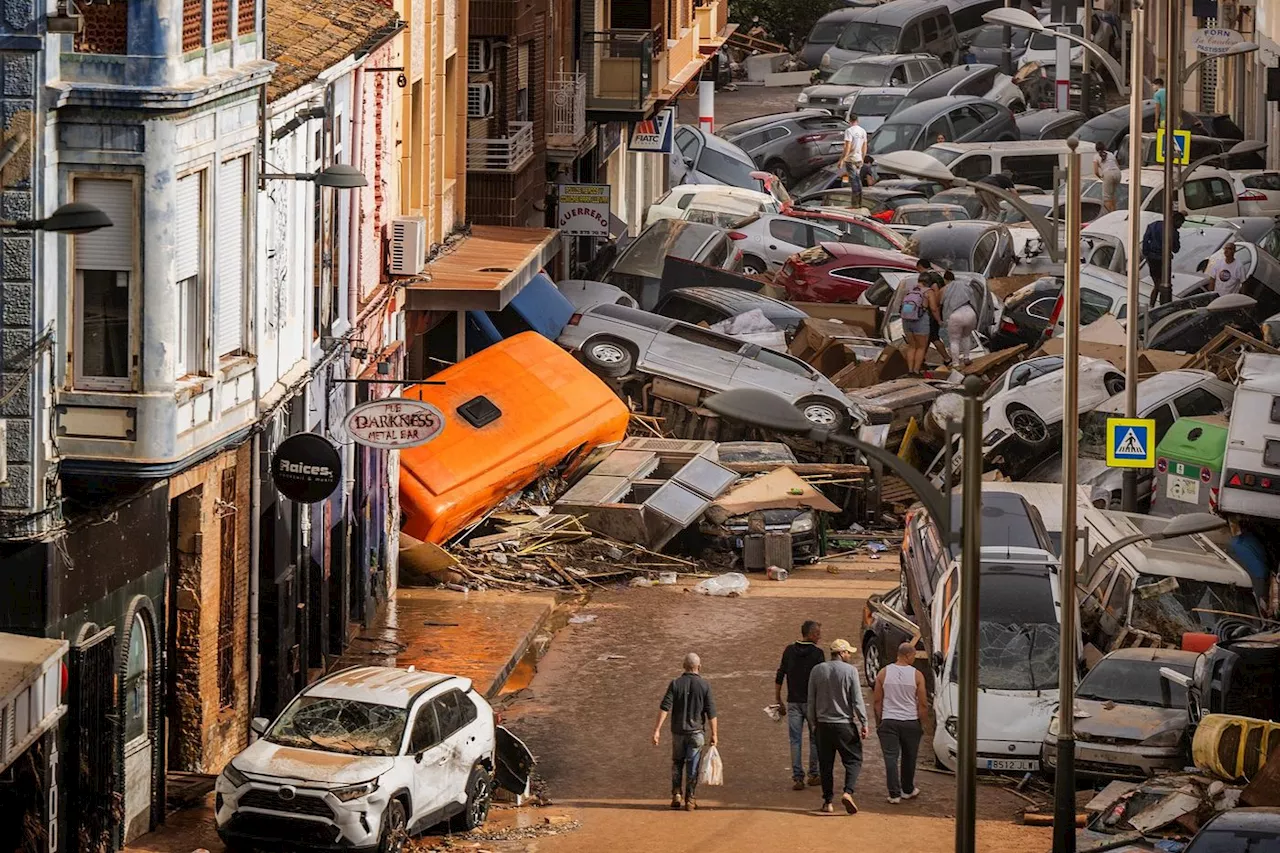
(105, 30)
(227, 589)
(247, 12)
(221, 20)
(192, 24)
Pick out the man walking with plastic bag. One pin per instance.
(839, 716)
(798, 660)
(691, 707)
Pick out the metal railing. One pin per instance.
(567, 113)
(503, 154)
(620, 68)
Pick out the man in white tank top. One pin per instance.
(900, 703)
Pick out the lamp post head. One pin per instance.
(1240, 48)
(341, 177)
(1248, 146)
(75, 217)
(760, 408)
(1011, 17)
(917, 164)
(1191, 523)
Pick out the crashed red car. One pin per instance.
(837, 272)
(859, 230)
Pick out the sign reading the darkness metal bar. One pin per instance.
(582, 210)
(394, 423)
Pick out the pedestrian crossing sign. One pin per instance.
(1131, 443)
(1181, 146)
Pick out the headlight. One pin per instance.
(1169, 738)
(1053, 726)
(803, 523)
(802, 98)
(826, 61)
(354, 792)
(234, 776)
(952, 725)
(848, 99)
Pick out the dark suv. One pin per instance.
(790, 145)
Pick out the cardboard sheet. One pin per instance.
(780, 489)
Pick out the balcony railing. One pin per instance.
(504, 154)
(620, 68)
(567, 99)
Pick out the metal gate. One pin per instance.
(96, 807)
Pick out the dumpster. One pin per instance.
(1189, 466)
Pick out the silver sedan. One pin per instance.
(768, 239)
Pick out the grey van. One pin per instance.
(903, 26)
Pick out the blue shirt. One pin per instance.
(1162, 98)
(1250, 553)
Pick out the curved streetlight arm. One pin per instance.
(1107, 60)
(1240, 49)
(934, 501)
(1048, 233)
(1111, 550)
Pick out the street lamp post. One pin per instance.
(770, 411)
(1026, 21)
(1129, 487)
(1247, 146)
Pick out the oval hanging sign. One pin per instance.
(1213, 41)
(394, 423)
(306, 468)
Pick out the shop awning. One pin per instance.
(30, 691)
(485, 270)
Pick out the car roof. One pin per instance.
(1255, 819)
(944, 81)
(869, 254)
(1153, 176)
(1154, 655)
(896, 12)
(734, 299)
(889, 58)
(380, 684)
(1016, 146)
(1044, 118)
(925, 111)
(956, 228)
(930, 205)
(722, 190)
(724, 146)
(1158, 386)
(747, 125)
(1187, 557)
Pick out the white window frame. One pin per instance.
(193, 310)
(79, 379)
(249, 243)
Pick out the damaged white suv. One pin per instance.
(364, 758)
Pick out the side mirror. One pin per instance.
(417, 756)
(258, 725)
(937, 661)
(1184, 681)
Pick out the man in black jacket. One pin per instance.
(798, 660)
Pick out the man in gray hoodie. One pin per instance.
(839, 717)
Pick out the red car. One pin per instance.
(858, 230)
(837, 272)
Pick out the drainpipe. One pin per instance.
(255, 544)
(354, 282)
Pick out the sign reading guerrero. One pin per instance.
(394, 423)
(306, 468)
(582, 210)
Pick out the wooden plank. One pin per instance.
(804, 469)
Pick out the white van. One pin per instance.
(1029, 161)
(1208, 191)
(1251, 466)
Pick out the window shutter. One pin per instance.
(188, 251)
(522, 66)
(229, 301)
(108, 248)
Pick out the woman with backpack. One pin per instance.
(959, 317)
(917, 315)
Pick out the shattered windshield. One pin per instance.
(871, 38)
(1015, 657)
(1134, 682)
(1173, 606)
(1093, 433)
(858, 74)
(340, 725)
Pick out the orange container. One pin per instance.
(550, 409)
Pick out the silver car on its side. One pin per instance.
(614, 341)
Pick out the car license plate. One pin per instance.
(1183, 489)
(1020, 764)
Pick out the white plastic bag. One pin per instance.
(730, 583)
(711, 770)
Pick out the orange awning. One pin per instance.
(485, 271)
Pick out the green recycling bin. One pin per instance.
(1189, 466)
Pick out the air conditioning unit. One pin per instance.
(408, 255)
(479, 100)
(479, 56)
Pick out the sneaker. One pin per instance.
(893, 801)
(691, 805)
(814, 780)
(676, 801)
(912, 795)
(827, 808)
(798, 785)
(849, 805)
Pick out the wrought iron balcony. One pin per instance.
(620, 66)
(504, 154)
(567, 113)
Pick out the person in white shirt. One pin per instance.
(855, 150)
(900, 703)
(1226, 274)
(1107, 170)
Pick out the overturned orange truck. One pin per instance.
(513, 412)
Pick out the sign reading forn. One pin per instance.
(394, 423)
(1214, 41)
(582, 210)
(306, 468)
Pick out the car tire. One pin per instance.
(1114, 384)
(751, 265)
(780, 171)
(395, 829)
(824, 413)
(871, 664)
(479, 797)
(1027, 425)
(608, 357)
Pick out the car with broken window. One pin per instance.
(1194, 327)
(1131, 723)
(1033, 310)
(837, 272)
(615, 342)
(366, 757)
(638, 270)
(766, 240)
(972, 246)
(712, 305)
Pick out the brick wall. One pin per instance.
(223, 730)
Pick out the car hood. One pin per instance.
(1135, 723)
(829, 90)
(1019, 717)
(264, 758)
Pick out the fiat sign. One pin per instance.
(1214, 41)
(394, 423)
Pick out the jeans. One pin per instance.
(844, 739)
(796, 725)
(686, 751)
(855, 182)
(900, 739)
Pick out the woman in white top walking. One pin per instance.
(900, 704)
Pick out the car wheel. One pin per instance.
(1114, 384)
(871, 658)
(751, 265)
(395, 832)
(608, 357)
(823, 412)
(780, 171)
(1027, 425)
(479, 797)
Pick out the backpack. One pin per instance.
(913, 304)
(1152, 243)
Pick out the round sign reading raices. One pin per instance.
(306, 468)
(1214, 41)
(394, 423)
